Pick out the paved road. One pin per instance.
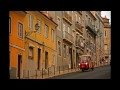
(103, 72)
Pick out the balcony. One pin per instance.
(68, 37)
(78, 27)
(67, 18)
(79, 44)
(91, 27)
(80, 12)
(47, 14)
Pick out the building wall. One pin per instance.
(107, 39)
(90, 36)
(59, 37)
(38, 40)
(99, 38)
(16, 45)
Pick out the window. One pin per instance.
(68, 29)
(59, 23)
(67, 50)
(30, 21)
(105, 34)
(30, 56)
(76, 17)
(64, 51)
(63, 27)
(53, 59)
(46, 31)
(59, 48)
(105, 47)
(10, 25)
(53, 35)
(20, 30)
(39, 23)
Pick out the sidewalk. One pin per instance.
(47, 76)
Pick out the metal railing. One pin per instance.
(79, 26)
(68, 36)
(91, 27)
(46, 73)
(68, 17)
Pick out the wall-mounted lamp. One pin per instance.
(36, 29)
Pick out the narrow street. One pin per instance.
(103, 72)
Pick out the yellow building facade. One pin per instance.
(107, 40)
(40, 45)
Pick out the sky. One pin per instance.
(107, 13)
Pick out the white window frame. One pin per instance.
(63, 27)
(46, 34)
(22, 38)
(59, 22)
(30, 21)
(53, 34)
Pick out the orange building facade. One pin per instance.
(16, 43)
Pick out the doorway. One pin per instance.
(71, 61)
(39, 58)
(46, 59)
(19, 66)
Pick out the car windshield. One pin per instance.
(83, 58)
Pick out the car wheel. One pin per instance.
(82, 70)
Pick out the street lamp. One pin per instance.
(36, 29)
